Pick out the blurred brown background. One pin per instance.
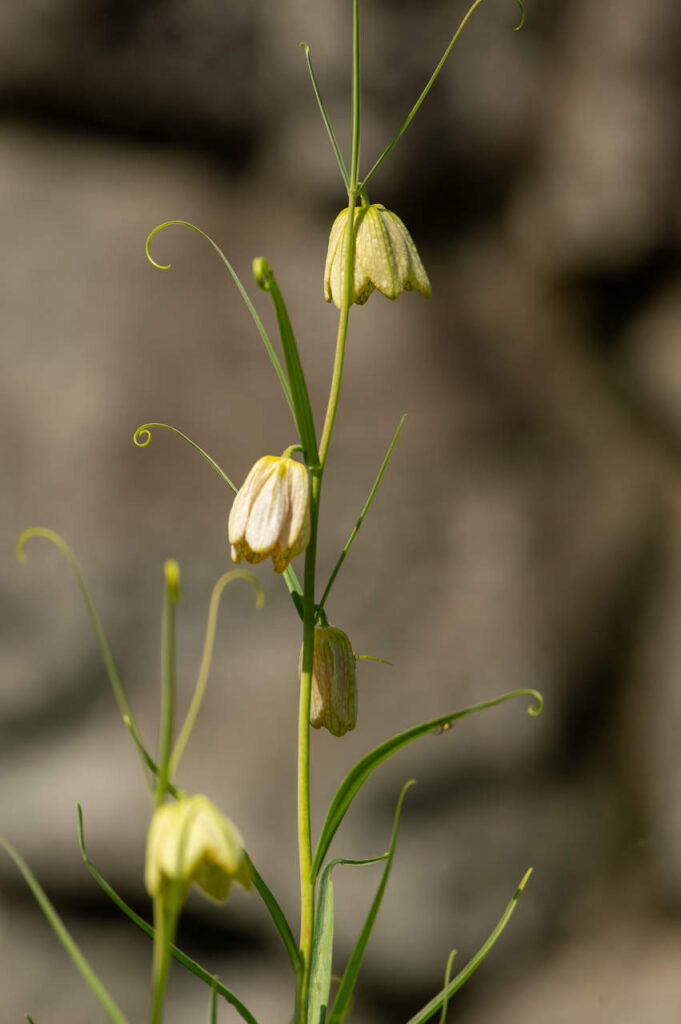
(528, 532)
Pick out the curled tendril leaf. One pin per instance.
(522, 16)
(142, 438)
(242, 291)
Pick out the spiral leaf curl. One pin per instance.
(142, 438)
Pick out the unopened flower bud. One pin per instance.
(271, 513)
(192, 841)
(333, 697)
(385, 257)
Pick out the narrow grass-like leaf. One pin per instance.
(325, 117)
(322, 946)
(362, 516)
(429, 84)
(341, 1003)
(109, 663)
(322, 952)
(213, 1004)
(144, 926)
(277, 915)
(358, 775)
(142, 438)
(279, 370)
(448, 974)
(207, 657)
(431, 1008)
(301, 399)
(105, 999)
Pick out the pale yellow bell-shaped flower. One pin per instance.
(192, 841)
(333, 697)
(385, 257)
(271, 513)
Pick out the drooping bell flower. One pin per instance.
(271, 513)
(385, 257)
(333, 697)
(192, 841)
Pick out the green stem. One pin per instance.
(165, 925)
(170, 598)
(309, 610)
(304, 827)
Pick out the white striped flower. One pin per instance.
(192, 841)
(385, 257)
(333, 697)
(271, 513)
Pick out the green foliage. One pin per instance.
(392, 258)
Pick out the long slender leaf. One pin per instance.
(277, 915)
(144, 926)
(362, 517)
(115, 680)
(358, 775)
(322, 945)
(207, 657)
(322, 952)
(431, 1008)
(301, 399)
(448, 974)
(325, 117)
(142, 438)
(213, 1004)
(341, 1003)
(414, 110)
(106, 1000)
(278, 369)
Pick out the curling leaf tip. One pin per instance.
(159, 227)
(535, 709)
(522, 16)
(142, 436)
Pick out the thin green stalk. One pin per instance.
(304, 828)
(206, 659)
(356, 97)
(362, 516)
(325, 116)
(165, 926)
(170, 598)
(105, 998)
(307, 907)
(414, 110)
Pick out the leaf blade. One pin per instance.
(358, 775)
(341, 1003)
(437, 1001)
(104, 997)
